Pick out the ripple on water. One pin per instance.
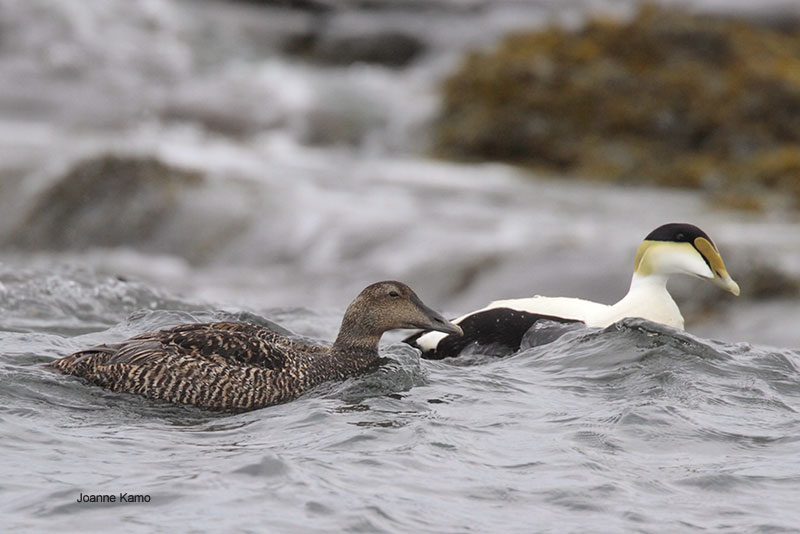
(624, 428)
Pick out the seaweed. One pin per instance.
(667, 98)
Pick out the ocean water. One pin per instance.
(632, 428)
(315, 181)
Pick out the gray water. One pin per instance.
(635, 428)
(315, 182)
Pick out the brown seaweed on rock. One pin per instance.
(666, 98)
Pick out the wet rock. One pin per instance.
(763, 281)
(391, 49)
(105, 201)
(316, 6)
(387, 48)
(759, 280)
(305, 5)
(667, 98)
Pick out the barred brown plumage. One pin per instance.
(244, 366)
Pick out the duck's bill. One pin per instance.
(448, 328)
(721, 277)
(435, 321)
(440, 324)
(727, 283)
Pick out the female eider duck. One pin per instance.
(241, 366)
(669, 249)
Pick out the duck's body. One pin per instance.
(670, 249)
(243, 366)
(647, 298)
(237, 366)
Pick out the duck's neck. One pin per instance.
(648, 298)
(356, 340)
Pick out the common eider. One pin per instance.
(675, 248)
(243, 366)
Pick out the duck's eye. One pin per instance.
(394, 294)
(680, 236)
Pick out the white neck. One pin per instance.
(647, 298)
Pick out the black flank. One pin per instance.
(502, 327)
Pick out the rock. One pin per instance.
(763, 281)
(389, 48)
(104, 201)
(760, 280)
(305, 5)
(666, 98)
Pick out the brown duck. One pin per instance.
(243, 366)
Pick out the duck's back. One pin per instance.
(222, 365)
(564, 307)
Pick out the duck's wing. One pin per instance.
(226, 343)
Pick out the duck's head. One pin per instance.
(388, 305)
(680, 248)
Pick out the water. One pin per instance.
(315, 182)
(632, 428)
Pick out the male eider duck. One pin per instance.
(674, 248)
(242, 366)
